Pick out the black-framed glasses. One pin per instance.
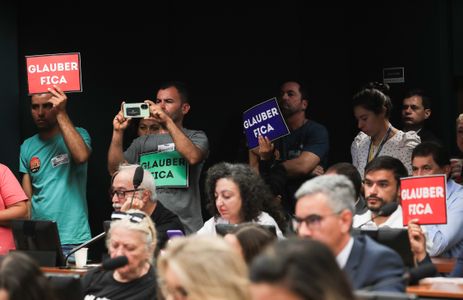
(132, 217)
(121, 193)
(311, 221)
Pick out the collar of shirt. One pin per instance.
(342, 257)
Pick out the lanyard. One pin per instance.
(371, 150)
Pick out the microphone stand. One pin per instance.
(74, 250)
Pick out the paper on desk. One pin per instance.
(431, 280)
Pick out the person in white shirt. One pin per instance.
(237, 195)
(381, 186)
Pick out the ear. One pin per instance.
(345, 221)
(146, 196)
(447, 169)
(427, 113)
(305, 103)
(185, 108)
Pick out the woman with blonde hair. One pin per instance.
(132, 234)
(201, 268)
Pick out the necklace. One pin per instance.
(371, 149)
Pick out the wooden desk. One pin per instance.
(444, 265)
(64, 272)
(437, 290)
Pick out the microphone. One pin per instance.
(409, 277)
(384, 211)
(91, 241)
(114, 263)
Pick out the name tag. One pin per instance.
(60, 160)
(169, 169)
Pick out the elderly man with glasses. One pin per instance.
(324, 210)
(134, 188)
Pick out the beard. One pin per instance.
(377, 207)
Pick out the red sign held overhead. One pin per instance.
(424, 198)
(44, 71)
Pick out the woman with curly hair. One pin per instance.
(237, 195)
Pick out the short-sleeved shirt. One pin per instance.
(59, 185)
(184, 202)
(10, 193)
(399, 146)
(311, 137)
(98, 284)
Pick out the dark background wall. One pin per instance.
(232, 56)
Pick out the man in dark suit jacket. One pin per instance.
(324, 210)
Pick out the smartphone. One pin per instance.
(136, 110)
(174, 232)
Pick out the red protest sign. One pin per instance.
(424, 198)
(63, 70)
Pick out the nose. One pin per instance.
(119, 251)
(418, 172)
(360, 124)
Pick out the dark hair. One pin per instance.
(351, 172)
(387, 163)
(439, 153)
(254, 192)
(373, 97)
(253, 239)
(22, 278)
(425, 99)
(302, 88)
(303, 266)
(181, 88)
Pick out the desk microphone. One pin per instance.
(410, 277)
(114, 263)
(384, 211)
(91, 241)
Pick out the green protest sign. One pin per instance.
(169, 169)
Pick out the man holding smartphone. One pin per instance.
(190, 146)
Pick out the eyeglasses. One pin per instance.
(121, 194)
(311, 221)
(132, 217)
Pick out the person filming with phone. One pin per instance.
(177, 149)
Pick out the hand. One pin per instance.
(132, 203)
(58, 99)
(417, 239)
(119, 122)
(157, 113)
(318, 170)
(266, 148)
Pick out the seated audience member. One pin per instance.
(249, 240)
(13, 205)
(22, 279)
(132, 234)
(430, 158)
(348, 170)
(236, 195)
(202, 268)
(126, 196)
(377, 136)
(298, 269)
(416, 109)
(324, 211)
(381, 187)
